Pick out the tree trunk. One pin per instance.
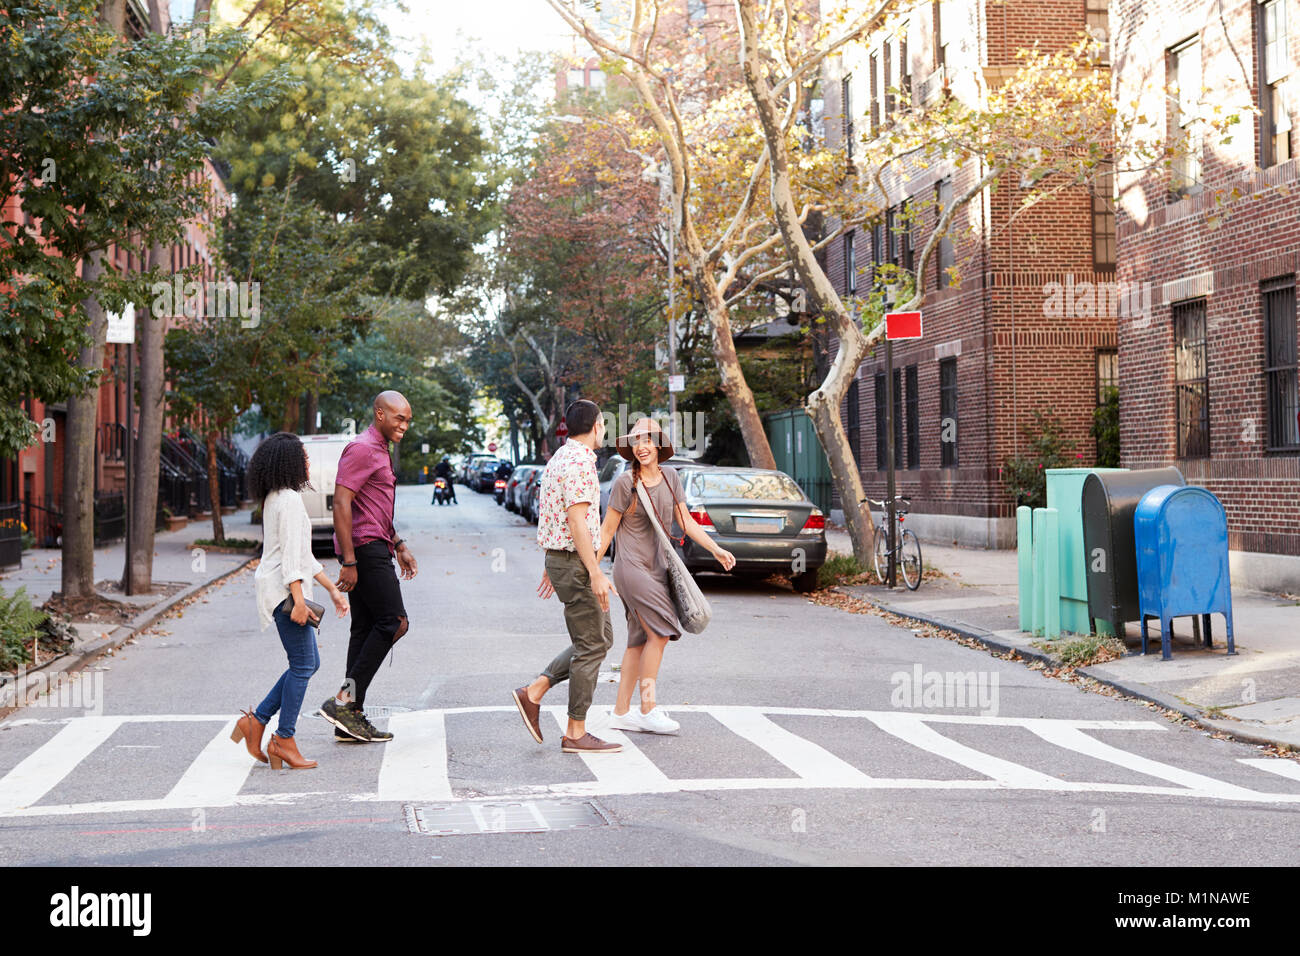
(734, 386)
(823, 404)
(78, 575)
(214, 488)
(148, 447)
(292, 415)
(311, 414)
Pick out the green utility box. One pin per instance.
(1053, 576)
(798, 452)
(1065, 494)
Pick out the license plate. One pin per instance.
(759, 525)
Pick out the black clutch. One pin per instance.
(315, 612)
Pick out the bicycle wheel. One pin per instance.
(881, 556)
(909, 560)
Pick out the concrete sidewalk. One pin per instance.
(1253, 695)
(180, 570)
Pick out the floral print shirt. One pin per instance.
(570, 477)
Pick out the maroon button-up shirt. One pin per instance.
(366, 470)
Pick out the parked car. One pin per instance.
(531, 496)
(760, 515)
(482, 473)
(465, 473)
(517, 486)
(323, 453)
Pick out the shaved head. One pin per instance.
(392, 414)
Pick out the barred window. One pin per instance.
(948, 412)
(1191, 380)
(1281, 387)
(855, 428)
(881, 439)
(913, 418)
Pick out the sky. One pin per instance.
(501, 27)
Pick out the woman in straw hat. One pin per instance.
(641, 569)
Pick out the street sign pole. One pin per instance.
(672, 320)
(889, 460)
(128, 505)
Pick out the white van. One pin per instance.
(323, 451)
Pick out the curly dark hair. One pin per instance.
(279, 462)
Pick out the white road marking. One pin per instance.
(217, 776)
(414, 764)
(1284, 768)
(1071, 738)
(415, 760)
(816, 766)
(912, 728)
(41, 771)
(628, 772)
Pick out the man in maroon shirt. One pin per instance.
(366, 542)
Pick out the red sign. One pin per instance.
(903, 325)
(562, 430)
(492, 446)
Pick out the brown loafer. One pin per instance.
(530, 712)
(587, 744)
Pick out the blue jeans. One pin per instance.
(287, 695)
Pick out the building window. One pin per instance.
(1184, 70)
(850, 264)
(904, 71)
(1191, 381)
(1281, 384)
(906, 258)
(696, 10)
(889, 81)
(944, 260)
(940, 48)
(880, 422)
(855, 428)
(596, 80)
(878, 255)
(846, 114)
(874, 65)
(576, 79)
(1097, 20)
(913, 418)
(898, 418)
(1103, 218)
(1107, 372)
(948, 412)
(1275, 65)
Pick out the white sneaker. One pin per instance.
(657, 722)
(629, 721)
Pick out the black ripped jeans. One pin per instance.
(378, 617)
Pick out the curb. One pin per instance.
(78, 659)
(986, 639)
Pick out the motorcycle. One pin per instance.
(499, 490)
(441, 491)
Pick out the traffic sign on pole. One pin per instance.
(902, 325)
(562, 430)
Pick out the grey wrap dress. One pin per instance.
(640, 565)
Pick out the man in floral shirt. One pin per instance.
(568, 527)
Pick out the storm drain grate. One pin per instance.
(523, 816)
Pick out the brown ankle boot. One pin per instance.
(249, 729)
(285, 750)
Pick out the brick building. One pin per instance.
(996, 345)
(1208, 379)
(34, 479)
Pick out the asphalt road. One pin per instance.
(809, 736)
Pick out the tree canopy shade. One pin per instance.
(98, 147)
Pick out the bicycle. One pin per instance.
(907, 549)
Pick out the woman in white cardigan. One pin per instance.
(276, 473)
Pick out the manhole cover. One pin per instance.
(523, 816)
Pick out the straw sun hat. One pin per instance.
(645, 426)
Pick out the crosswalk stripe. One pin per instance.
(628, 772)
(1071, 738)
(41, 771)
(215, 778)
(818, 766)
(913, 729)
(1283, 768)
(415, 760)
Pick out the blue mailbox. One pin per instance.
(1181, 535)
